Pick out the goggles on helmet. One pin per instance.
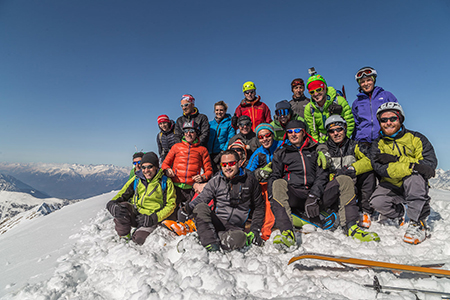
(367, 72)
(282, 112)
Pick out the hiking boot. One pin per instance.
(190, 225)
(416, 232)
(286, 238)
(212, 247)
(357, 233)
(175, 227)
(365, 221)
(126, 237)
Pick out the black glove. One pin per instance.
(385, 158)
(118, 210)
(335, 109)
(234, 120)
(147, 220)
(349, 171)
(184, 213)
(312, 206)
(426, 171)
(254, 237)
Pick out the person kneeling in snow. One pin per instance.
(144, 201)
(234, 192)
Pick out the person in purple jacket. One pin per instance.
(364, 108)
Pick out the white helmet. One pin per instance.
(335, 120)
(388, 106)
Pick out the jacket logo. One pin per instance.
(245, 188)
(308, 155)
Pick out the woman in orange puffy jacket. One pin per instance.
(184, 163)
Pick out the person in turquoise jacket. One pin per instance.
(325, 102)
(220, 132)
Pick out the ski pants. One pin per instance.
(365, 186)
(211, 229)
(339, 195)
(124, 225)
(183, 196)
(388, 198)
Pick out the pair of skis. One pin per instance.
(428, 270)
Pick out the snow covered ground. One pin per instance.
(74, 253)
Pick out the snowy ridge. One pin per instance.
(91, 262)
(441, 180)
(11, 184)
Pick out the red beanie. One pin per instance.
(163, 118)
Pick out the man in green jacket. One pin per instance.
(144, 201)
(325, 102)
(283, 114)
(404, 160)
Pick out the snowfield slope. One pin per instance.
(74, 253)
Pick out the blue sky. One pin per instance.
(84, 81)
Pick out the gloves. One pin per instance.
(349, 171)
(264, 172)
(312, 206)
(184, 213)
(335, 109)
(385, 158)
(234, 120)
(426, 171)
(118, 210)
(322, 160)
(254, 238)
(147, 220)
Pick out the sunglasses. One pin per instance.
(230, 163)
(249, 92)
(319, 90)
(190, 130)
(245, 124)
(392, 119)
(267, 135)
(296, 130)
(185, 105)
(330, 131)
(147, 167)
(282, 112)
(365, 72)
(136, 162)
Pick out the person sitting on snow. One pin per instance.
(405, 160)
(349, 165)
(144, 201)
(235, 193)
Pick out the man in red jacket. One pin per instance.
(252, 106)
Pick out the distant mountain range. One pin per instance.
(67, 181)
(442, 180)
(11, 184)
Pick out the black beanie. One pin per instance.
(150, 157)
(138, 154)
(295, 124)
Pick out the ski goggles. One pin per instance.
(185, 105)
(136, 162)
(267, 135)
(147, 167)
(296, 130)
(282, 112)
(230, 163)
(392, 119)
(297, 82)
(189, 130)
(365, 73)
(339, 129)
(319, 90)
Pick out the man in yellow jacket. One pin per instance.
(145, 200)
(405, 160)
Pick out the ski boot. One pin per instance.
(416, 232)
(358, 234)
(365, 221)
(180, 228)
(286, 238)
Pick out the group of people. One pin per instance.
(320, 161)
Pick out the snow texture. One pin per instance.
(74, 253)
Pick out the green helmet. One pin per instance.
(315, 78)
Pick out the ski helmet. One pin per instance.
(314, 78)
(248, 86)
(391, 106)
(335, 120)
(190, 124)
(366, 72)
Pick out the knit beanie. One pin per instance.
(297, 81)
(138, 154)
(239, 144)
(188, 98)
(163, 118)
(295, 124)
(282, 105)
(264, 126)
(150, 157)
(315, 82)
(244, 118)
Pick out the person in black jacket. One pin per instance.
(165, 139)
(235, 193)
(191, 113)
(297, 182)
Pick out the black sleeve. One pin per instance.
(259, 203)
(204, 128)
(178, 132)
(277, 170)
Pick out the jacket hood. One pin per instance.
(245, 103)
